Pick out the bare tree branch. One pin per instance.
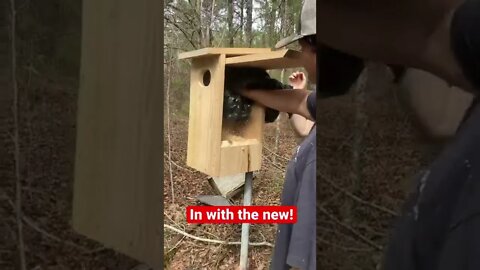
(264, 243)
(348, 249)
(358, 199)
(183, 32)
(48, 235)
(16, 141)
(270, 151)
(177, 165)
(350, 229)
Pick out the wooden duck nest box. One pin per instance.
(216, 146)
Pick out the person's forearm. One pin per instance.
(290, 101)
(301, 125)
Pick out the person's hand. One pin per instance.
(298, 80)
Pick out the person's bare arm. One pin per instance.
(301, 125)
(291, 101)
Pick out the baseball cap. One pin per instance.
(308, 24)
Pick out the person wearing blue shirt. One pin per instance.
(295, 245)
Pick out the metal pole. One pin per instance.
(247, 201)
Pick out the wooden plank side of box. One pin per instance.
(227, 51)
(240, 157)
(269, 60)
(205, 116)
(118, 176)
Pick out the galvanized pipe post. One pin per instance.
(247, 201)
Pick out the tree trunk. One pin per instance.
(297, 22)
(16, 139)
(359, 129)
(290, 17)
(210, 23)
(283, 17)
(360, 124)
(199, 5)
(230, 23)
(264, 41)
(248, 26)
(169, 133)
(205, 22)
(271, 23)
(242, 9)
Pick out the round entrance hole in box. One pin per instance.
(207, 76)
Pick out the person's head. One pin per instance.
(306, 38)
(308, 47)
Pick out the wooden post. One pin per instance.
(119, 153)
